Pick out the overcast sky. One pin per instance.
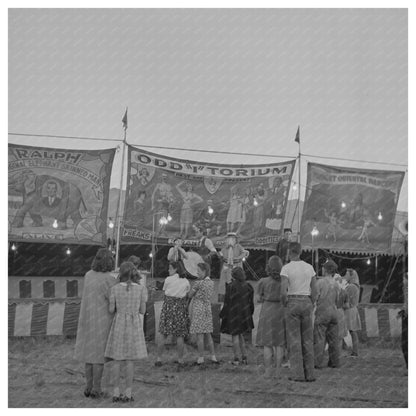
(221, 79)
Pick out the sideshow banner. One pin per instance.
(58, 195)
(169, 197)
(350, 209)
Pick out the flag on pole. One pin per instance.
(124, 120)
(297, 138)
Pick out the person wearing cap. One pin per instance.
(299, 294)
(177, 253)
(352, 317)
(326, 317)
(232, 255)
(206, 248)
(282, 248)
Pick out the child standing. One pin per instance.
(271, 329)
(200, 312)
(174, 319)
(237, 313)
(126, 339)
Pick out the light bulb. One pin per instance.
(210, 211)
(68, 251)
(380, 217)
(343, 204)
(55, 223)
(162, 221)
(255, 203)
(111, 224)
(13, 247)
(150, 254)
(169, 218)
(315, 231)
(368, 261)
(294, 187)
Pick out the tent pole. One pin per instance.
(388, 280)
(119, 199)
(299, 194)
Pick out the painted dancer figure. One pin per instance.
(189, 199)
(333, 226)
(367, 223)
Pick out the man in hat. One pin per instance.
(283, 246)
(326, 317)
(232, 255)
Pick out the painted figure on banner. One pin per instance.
(139, 210)
(333, 226)
(232, 255)
(41, 199)
(357, 210)
(258, 214)
(277, 194)
(367, 222)
(208, 219)
(162, 200)
(234, 214)
(247, 210)
(190, 198)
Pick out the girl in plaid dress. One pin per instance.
(200, 312)
(126, 339)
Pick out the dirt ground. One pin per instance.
(43, 373)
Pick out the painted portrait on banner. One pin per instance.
(168, 197)
(350, 209)
(58, 195)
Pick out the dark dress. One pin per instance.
(237, 313)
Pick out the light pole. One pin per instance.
(314, 233)
(165, 218)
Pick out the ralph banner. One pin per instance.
(58, 195)
(169, 197)
(350, 209)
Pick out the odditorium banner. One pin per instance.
(249, 200)
(58, 195)
(353, 209)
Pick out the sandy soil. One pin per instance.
(42, 373)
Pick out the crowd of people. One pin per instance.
(300, 314)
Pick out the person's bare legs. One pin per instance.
(88, 377)
(243, 349)
(180, 347)
(268, 361)
(278, 357)
(161, 348)
(116, 378)
(129, 377)
(211, 348)
(200, 344)
(97, 375)
(236, 346)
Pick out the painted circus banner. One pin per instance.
(351, 209)
(169, 197)
(58, 195)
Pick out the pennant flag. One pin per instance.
(124, 120)
(297, 138)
